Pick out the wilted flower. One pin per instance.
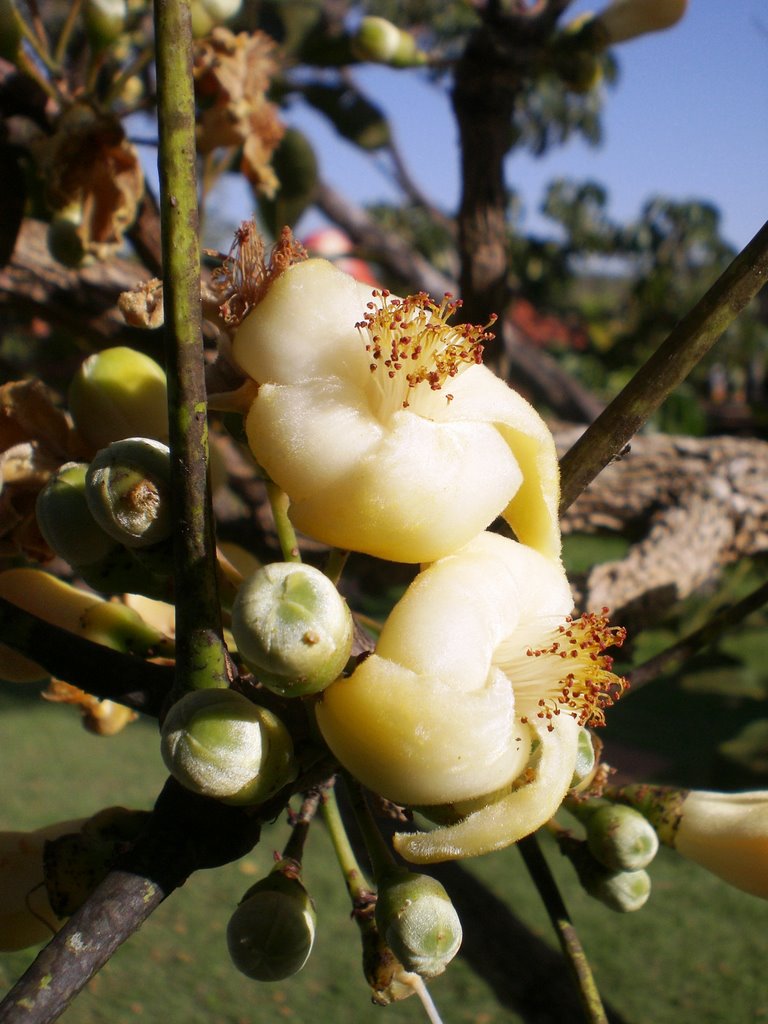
(726, 833)
(474, 698)
(378, 419)
(92, 175)
(36, 437)
(232, 76)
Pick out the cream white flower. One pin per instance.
(474, 698)
(380, 422)
(726, 833)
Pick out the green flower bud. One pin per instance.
(207, 14)
(105, 20)
(65, 520)
(418, 921)
(64, 241)
(621, 838)
(622, 891)
(292, 627)
(220, 744)
(380, 41)
(128, 487)
(271, 934)
(119, 393)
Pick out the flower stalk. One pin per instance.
(201, 656)
(573, 951)
(666, 369)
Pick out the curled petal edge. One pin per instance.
(511, 816)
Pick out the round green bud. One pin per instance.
(65, 520)
(105, 20)
(381, 42)
(128, 490)
(418, 921)
(292, 627)
(63, 238)
(621, 838)
(220, 744)
(207, 14)
(119, 393)
(271, 934)
(622, 891)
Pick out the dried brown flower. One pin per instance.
(36, 437)
(232, 77)
(93, 175)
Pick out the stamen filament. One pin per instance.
(566, 672)
(412, 342)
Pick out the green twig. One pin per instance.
(358, 886)
(286, 534)
(201, 656)
(334, 566)
(570, 944)
(667, 368)
(671, 658)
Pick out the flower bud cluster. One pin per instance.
(110, 518)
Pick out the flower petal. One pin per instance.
(480, 396)
(309, 435)
(417, 740)
(727, 833)
(459, 610)
(423, 492)
(305, 327)
(510, 817)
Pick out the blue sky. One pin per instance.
(687, 119)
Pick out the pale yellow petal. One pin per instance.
(304, 327)
(727, 833)
(457, 612)
(510, 817)
(308, 435)
(532, 513)
(423, 492)
(416, 739)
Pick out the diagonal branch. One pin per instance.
(667, 368)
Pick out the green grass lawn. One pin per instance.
(695, 953)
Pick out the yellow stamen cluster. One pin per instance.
(413, 342)
(572, 673)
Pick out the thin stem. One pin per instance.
(201, 656)
(667, 368)
(379, 854)
(357, 884)
(570, 944)
(66, 30)
(294, 848)
(286, 535)
(671, 658)
(334, 567)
